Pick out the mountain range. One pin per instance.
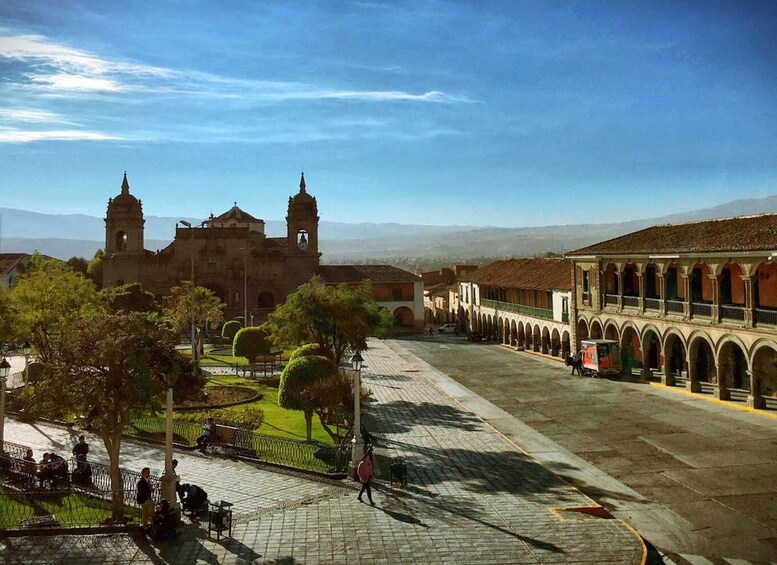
(67, 235)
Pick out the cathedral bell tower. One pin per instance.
(123, 238)
(302, 224)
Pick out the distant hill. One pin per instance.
(64, 236)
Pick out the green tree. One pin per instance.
(208, 309)
(298, 388)
(230, 328)
(47, 297)
(109, 364)
(94, 270)
(78, 264)
(129, 297)
(307, 350)
(8, 320)
(251, 343)
(336, 318)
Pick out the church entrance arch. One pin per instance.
(403, 317)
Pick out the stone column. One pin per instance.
(721, 391)
(661, 294)
(692, 382)
(667, 378)
(754, 399)
(715, 317)
(749, 301)
(619, 279)
(687, 290)
(641, 299)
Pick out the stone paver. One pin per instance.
(473, 497)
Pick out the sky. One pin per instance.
(515, 113)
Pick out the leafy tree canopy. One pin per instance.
(230, 328)
(251, 343)
(297, 388)
(208, 308)
(94, 270)
(129, 298)
(8, 320)
(336, 318)
(78, 264)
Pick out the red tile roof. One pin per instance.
(743, 233)
(8, 261)
(534, 274)
(360, 273)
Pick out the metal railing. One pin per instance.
(565, 317)
(766, 317)
(675, 306)
(610, 299)
(153, 427)
(732, 312)
(533, 311)
(652, 304)
(630, 301)
(14, 450)
(701, 309)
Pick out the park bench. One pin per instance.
(47, 521)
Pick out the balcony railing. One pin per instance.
(732, 312)
(630, 301)
(610, 299)
(701, 309)
(652, 304)
(766, 317)
(675, 306)
(518, 309)
(565, 317)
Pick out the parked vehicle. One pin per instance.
(447, 328)
(601, 357)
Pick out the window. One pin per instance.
(396, 294)
(586, 282)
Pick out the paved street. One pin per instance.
(693, 476)
(473, 496)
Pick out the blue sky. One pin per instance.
(473, 113)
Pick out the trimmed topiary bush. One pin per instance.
(230, 329)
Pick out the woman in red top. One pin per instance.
(364, 471)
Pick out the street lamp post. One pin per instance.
(191, 253)
(26, 349)
(5, 369)
(357, 449)
(169, 478)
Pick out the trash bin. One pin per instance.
(399, 472)
(220, 518)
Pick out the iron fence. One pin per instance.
(701, 309)
(766, 317)
(676, 306)
(652, 304)
(611, 299)
(533, 311)
(12, 449)
(732, 312)
(154, 427)
(631, 301)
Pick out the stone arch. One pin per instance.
(500, 330)
(596, 329)
(513, 333)
(403, 316)
(566, 350)
(545, 340)
(537, 339)
(610, 280)
(521, 335)
(675, 356)
(650, 342)
(733, 364)
(555, 343)
(121, 240)
(582, 333)
(701, 361)
(529, 336)
(611, 330)
(631, 348)
(764, 363)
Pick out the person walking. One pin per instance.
(144, 497)
(204, 439)
(364, 472)
(178, 487)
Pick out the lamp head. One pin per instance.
(26, 348)
(5, 368)
(356, 361)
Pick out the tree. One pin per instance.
(251, 343)
(8, 319)
(297, 389)
(336, 318)
(94, 269)
(230, 329)
(129, 297)
(208, 309)
(110, 364)
(47, 297)
(78, 264)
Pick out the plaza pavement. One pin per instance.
(473, 496)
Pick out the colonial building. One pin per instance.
(440, 291)
(520, 302)
(694, 303)
(231, 255)
(398, 291)
(12, 266)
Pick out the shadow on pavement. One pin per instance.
(404, 414)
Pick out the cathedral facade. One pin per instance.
(229, 254)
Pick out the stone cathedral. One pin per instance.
(229, 252)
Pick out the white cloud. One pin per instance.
(8, 135)
(30, 116)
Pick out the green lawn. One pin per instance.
(71, 509)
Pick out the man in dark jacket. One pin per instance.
(144, 497)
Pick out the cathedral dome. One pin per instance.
(125, 203)
(302, 203)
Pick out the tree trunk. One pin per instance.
(327, 429)
(112, 443)
(309, 425)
